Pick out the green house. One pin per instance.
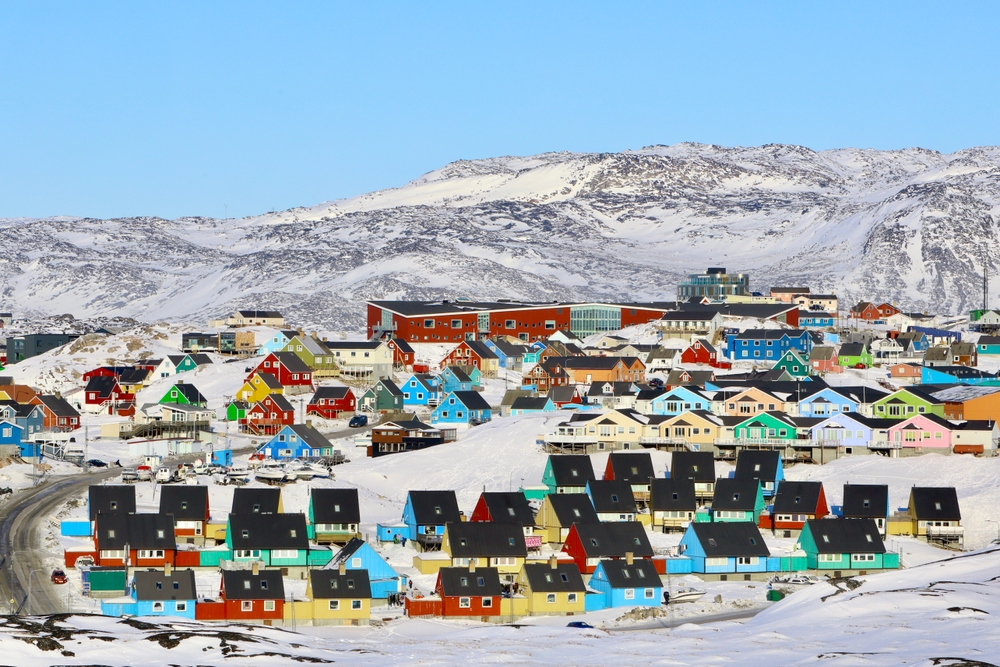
(845, 544)
(854, 355)
(906, 403)
(237, 410)
(793, 363)
(184, 394)
(737, 500)
(568, 473)
(313, 354)
(276, 540)
(766, 425)
(384, 396)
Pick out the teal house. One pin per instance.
(845, 544)
(276, 540)
(988, 345)
(794, 364)
(568, 473)
(737, 500)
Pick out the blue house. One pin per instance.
(156, 593)
(527, 404)
(625, 583)
(816, 319)
(826, 402)
(297, 441)
(462, 407)
(957, 375)
(768, 344)
(678, 401)
(421, 389)
(850, 431)
(277, 342)
(453, 378)
(425, 515)
(28, 417)
(511, 355)
(989, 345)
(726, 548)
(12, 434)
(359, 555)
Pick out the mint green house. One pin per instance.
(276, 540)
(906, 403)
(737, 500)
(845, 544)
(766, 426)
(794, 364)
(854, 355)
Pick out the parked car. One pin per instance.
(656, 383)
(96, 463)
(358, 421)
(84, 562)
(58, 576)
(164, 475)
(130, 475)
(580, 624)
(145, 473)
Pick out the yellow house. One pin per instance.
(486, 544)
(257, 387)
(694, 427)
(340, 597)
(558, 513)
(608, 432)
(552, 589)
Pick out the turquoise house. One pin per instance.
(421, 389)
(624, 583)
(157, 593)
(523, 405)
(462, 407)
(678, 401)
(453, 378)
(845, 544)
(359, 555)
(277, 540)
(988, 345)
(957, 375)
(737, 500)
(726, 548)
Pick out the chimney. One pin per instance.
(628, 558)
(472, 565)
(553, 562)
(309, 423)
(166, 569)
(181, 381)
(255, 568)
(343, 567)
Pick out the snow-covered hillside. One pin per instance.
(909, 226)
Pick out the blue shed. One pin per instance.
(359, 555)
(222, 457)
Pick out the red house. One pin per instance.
(267, 416)
(148, 537)
(104, 371)
(472, 353)
(588, 543)
(254, 596)
(565, 395)
(104, 390)
(290, 371)
(469, 592)
(869, 312)
(703, 352)
(188, 505)
(794, 504)
(402, 353)
(331, 402)
(58, 414)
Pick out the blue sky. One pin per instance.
(172, 109)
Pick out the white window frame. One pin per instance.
(464, 603)
(269, 605)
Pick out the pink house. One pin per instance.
(921, 434)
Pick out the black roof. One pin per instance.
(329, 392)
(335, 506)
(571, 469)
(277, 531)
(697, 466)
(155, 585)
(59, 406)
(614, 539)
(256, 501)
(245, 585)
(189, 391)
(735, 494)
(331, 584)
(572, 508)
(187, 502)
(102, 384)
(563, 578)
(844, 536)
(509, 507)
(640, 574)
(529, 403)
(483, 539)
(434, 508)
(866, 500)
(795, 497)
(138, 531)
(737, 538)
(292, 363)
(672, 494)
(611, 496)
(461, 581)
(757, 465)
(634, 468)
(936, 503)
(345, 552)
(269, 314)
(472, 400)
(111, 499)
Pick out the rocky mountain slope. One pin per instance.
(913, 227)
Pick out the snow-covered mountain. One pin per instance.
(911, 226)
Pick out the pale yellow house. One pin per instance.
(552, 588)
(694, 427)
(339, 597)
(486, 544)
(558, 513)
(608, 432)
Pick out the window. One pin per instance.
(550, 598)
(157, 606)
(464, 603)
(629, 593)
(571, 597)
(268, 605)
(648, 594)
(246, 605)
(428, 324)
(510, 324)
(181, 606)
(151, 553)
(334, 605)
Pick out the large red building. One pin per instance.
(440, 321)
